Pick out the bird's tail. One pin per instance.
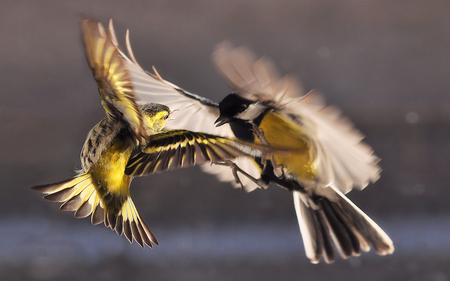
(80, 194)
(325, 223)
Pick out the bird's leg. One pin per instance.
(235, 169)
(259, 133)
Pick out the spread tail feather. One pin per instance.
(130, 223)
(80, 195)
(325, 223)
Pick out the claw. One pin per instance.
(235, 169)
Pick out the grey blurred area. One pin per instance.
(386, 64)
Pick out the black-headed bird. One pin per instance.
(327, 159)
(128, 142)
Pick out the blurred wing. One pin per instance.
(252, 78)
(341, 159)
(112, 77)
(180, 148)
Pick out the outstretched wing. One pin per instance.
(195, 113)
(180, 148)
(341, 158)
(112, 77)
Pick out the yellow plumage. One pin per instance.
(110, 168)
(300, 160)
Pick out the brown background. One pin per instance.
(385, 63)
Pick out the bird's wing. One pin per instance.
(112, 76)
(195, 113)
(174, 149)
(341, 159)
(252, 78)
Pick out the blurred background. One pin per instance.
(385, 63)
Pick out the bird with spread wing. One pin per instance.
(130, 141)
(327, 160)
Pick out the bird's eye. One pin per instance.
(242, 107)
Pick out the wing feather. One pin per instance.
(195, 113)
(112, 77)
(255, 79)
(342, 159)
(180, 148)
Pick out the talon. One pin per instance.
(235, 169)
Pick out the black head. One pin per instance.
(231, 106)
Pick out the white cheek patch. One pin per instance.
(252, 112)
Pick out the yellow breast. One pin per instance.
(109, 171)
(281, 132)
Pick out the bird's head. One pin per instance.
(235, 106)
(155, 117)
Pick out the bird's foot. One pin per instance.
(235, 169)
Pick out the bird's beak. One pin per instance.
(170, 113)
(222, 120)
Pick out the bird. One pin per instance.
(130, 141)
(327, 155)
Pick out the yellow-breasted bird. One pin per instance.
(327, 159)
(129, 142)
